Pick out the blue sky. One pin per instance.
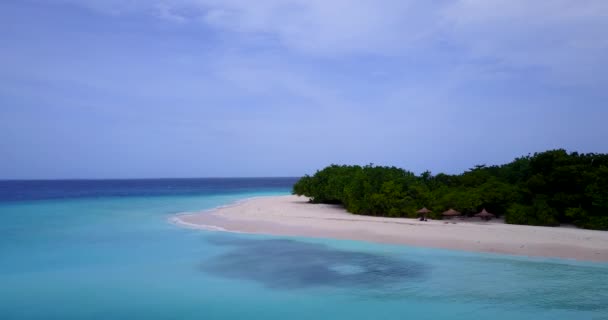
(197, 88)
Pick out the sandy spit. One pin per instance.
(294, 216)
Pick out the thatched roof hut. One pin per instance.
(423, 211)
(485, 215)
(451, 213)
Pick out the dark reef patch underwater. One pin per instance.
(290, 264)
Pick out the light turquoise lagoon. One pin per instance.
(118, 257)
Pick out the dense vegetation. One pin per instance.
(546, 189)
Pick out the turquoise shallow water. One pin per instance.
(119, 258)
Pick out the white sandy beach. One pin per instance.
(294, 216)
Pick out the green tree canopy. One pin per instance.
(546, 189)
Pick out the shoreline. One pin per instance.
(295, 216)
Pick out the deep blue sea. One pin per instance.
(104, 250)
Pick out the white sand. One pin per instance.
(294, 216)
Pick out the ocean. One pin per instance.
(104, 249)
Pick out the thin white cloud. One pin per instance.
(328, 27)
(166, 12)
(564, 38)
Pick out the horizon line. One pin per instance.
(148, 178)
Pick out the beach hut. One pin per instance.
(451, 213)
(485, 215)
(422, 213)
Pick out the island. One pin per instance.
(536, 205)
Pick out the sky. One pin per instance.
(209, 88)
